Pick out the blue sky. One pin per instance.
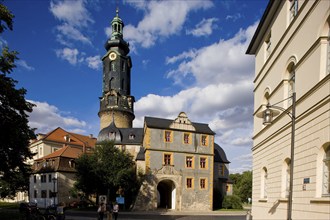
(187, 56)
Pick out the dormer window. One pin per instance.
(131, 137)
(67, 138)
(112, 136)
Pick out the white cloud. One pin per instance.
(162, 19)
(94, 62)
(70, 33)
(68, 54)
(46, 117)
(203, 28)
(74, 13)
(234, 17)
(24, 64)
(74, 22)
(221, 62)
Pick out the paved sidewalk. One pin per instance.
(88, 215)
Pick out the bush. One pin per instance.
(232, 202)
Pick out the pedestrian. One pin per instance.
(101, 210)
(109, 211)
(115, 210)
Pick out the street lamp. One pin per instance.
(54, 193)
(267, 115)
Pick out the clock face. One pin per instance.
(112, 56)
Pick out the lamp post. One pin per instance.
(267, 115)
(54, 193)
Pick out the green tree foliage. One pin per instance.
(15, 132)
(107, 170)
(242, 185)
(232, 202)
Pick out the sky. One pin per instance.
(187, 55)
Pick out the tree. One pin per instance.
(15, 133)
(242, 185)
(107, 171)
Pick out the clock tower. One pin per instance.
(116, 103)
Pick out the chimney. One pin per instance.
(91, 136)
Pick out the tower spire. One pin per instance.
(117, 103)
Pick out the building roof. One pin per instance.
(219, 154)
(121, 135)
(66, 151)
(61, 160)
(61, 136)
(162, 123)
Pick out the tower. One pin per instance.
(116, 103)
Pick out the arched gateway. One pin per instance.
(166, 194)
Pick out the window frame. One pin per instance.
(165, 160)
(189, 183)
(166, 138)
(205, 163)
(206, 141)
(189, 163)
(205, 183)
(188, 139)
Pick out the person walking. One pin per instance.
(101, 210)
(115, 210)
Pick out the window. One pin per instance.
(189, 183)
(202, 162)
(43, 193)
(293, 9)
(72, 164)
(35, 194)
(50, 194)
(186, 138)
(286, 178)
(202, 183)
(132, 136)
(221, 169)
(227, 188)
(204, 141)
(268, 44)
(189, 162)
(168, 136)
(264, 179)
(326, 173)
(43, 178)
(34, 178)
(328, 54)
(49, 177)
(167, 159)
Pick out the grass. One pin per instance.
(9, 211)
(8, 205)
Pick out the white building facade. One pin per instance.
(292, 54)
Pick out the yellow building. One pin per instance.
(292, 52)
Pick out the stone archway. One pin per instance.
(166, 194)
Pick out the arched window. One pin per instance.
(286, 178)
(264, 180)
(289, 81)
(328, 50)
(326, 172)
